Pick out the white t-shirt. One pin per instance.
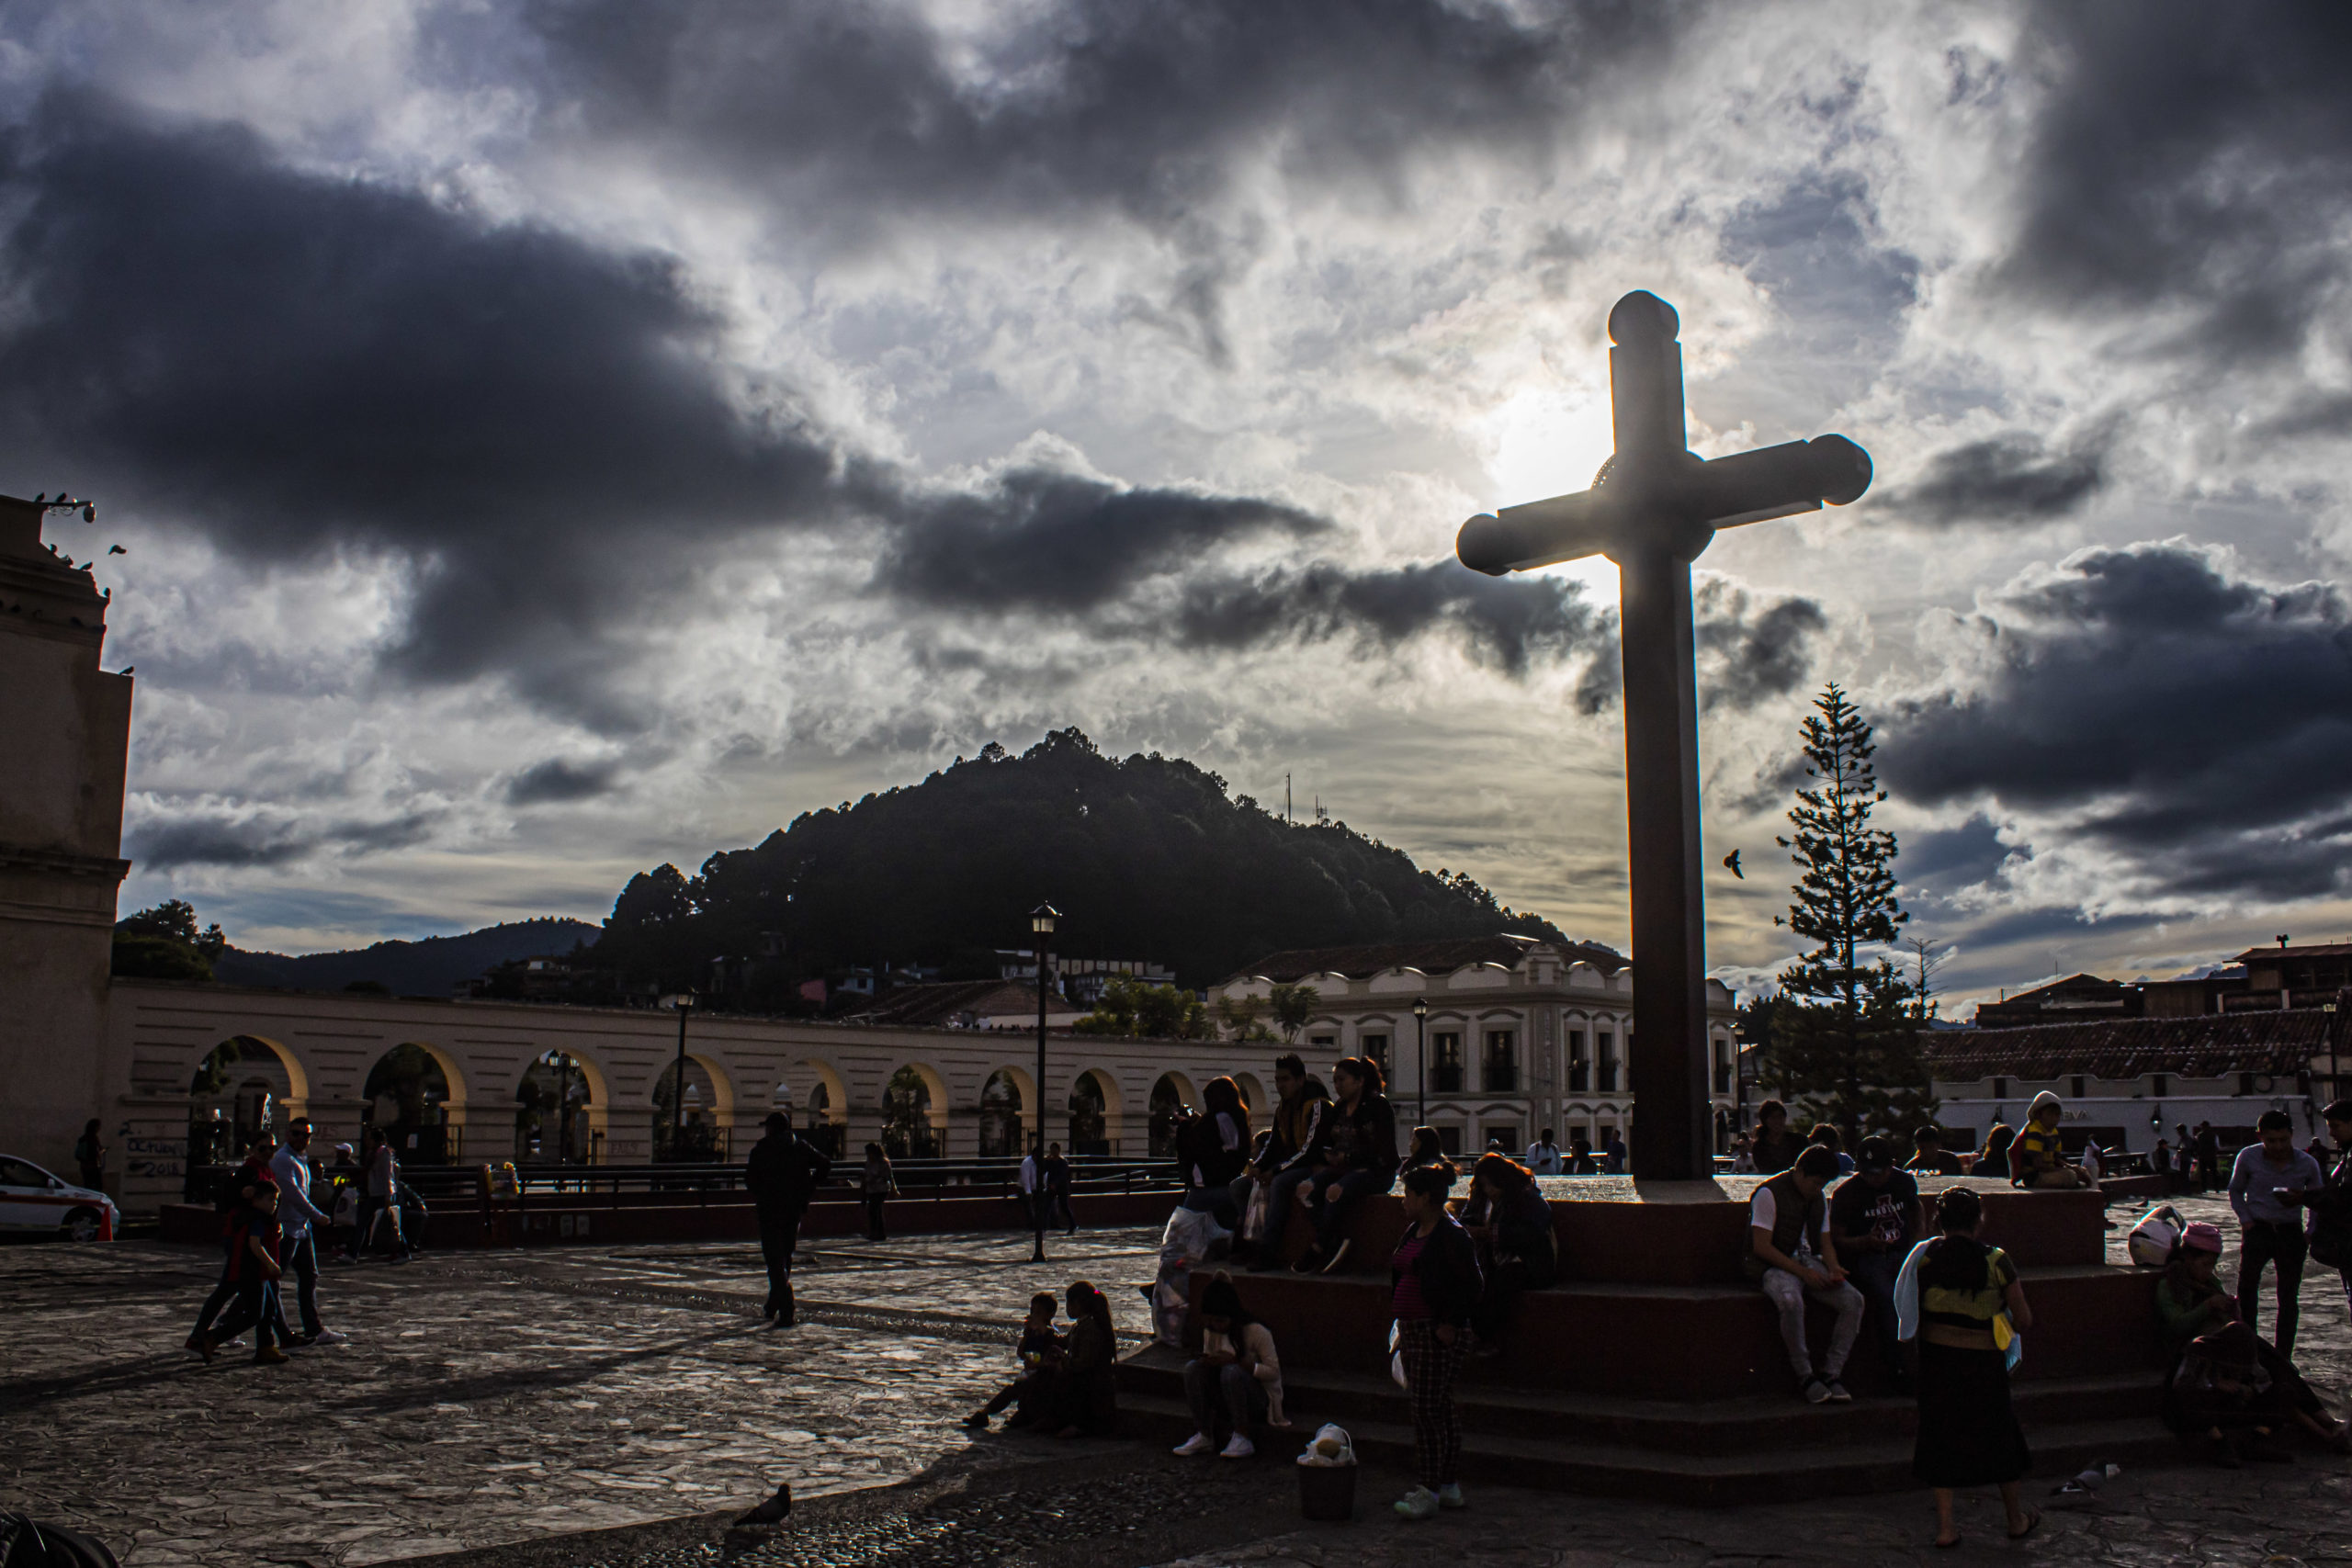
(1544, 1159)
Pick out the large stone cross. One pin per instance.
(1652, 509)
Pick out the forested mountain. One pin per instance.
(1145, 858)
(425, 968)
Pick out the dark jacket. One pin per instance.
(1302, 1129)
(1448, 1270)
(1366, 1140)
(784, 1173)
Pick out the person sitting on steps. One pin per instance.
(1235, 1380)
(1360, 1160)
(1041, 1353)
(1302, 1122)
(1874, 1214)
(2038, 1158)
(2229, 1387)
(1085, 1395)
(1793, 1256)
(1517, 1248)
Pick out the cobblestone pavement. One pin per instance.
(491, 1407)
(488, 1397)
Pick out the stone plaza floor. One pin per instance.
(609, 1407)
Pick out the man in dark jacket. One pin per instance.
(783, 1173)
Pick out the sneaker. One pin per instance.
(1338, 1256)
(303, 1341)
(1238, 1446)
(202, 1346)
(270, 1356)
(1198, 1443)
(977, 1421)
(1310, 1262)
(328, 1337)
(1814, 1391)
(1419, 1504)
(1450, 1495)
(1838, 1394)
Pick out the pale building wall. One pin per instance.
(64, 732)
(1546, 1004)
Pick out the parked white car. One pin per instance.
(32, 1200)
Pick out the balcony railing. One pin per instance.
(1446, 1079)
(1502, 1077)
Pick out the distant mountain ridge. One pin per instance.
(425, 968)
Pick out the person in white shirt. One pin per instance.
(383, 1194)
(1543, 1155)
(1033, 1196)
(299, 1219)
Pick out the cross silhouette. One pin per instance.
(1652, 509)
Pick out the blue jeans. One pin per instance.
(1331, 1214)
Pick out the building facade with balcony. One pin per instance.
(1521, 1034)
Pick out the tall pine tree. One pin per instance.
(1843, 1044)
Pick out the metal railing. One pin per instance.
(451, 1185)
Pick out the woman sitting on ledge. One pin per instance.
(1084, 1398)
(1518, 1249)
(1360, 1160)
(2228, 1386)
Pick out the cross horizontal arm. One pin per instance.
(1678, 509)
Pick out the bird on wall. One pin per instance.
(1731, 864)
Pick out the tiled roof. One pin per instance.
(2312, 949)
(920, 1007)
(2209, 1046)
(1366, 959)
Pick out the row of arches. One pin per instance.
(564, 1112)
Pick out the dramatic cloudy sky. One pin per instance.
(551, 438)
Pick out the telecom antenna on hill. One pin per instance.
(1285, 800)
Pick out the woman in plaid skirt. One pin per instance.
(1433, 1278)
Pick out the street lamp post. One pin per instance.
(683, 1002)
(1421, 1030)
(1041, 924)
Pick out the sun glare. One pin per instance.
(1546, 441)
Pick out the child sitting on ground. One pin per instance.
(1040, 1348)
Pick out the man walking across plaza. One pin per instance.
(300, 1219)
(783, 1173)
(1874, 1214)
(1793, 1256)
(253, 1271)
(1057, 1179)
(2265, 1188)
(236, 1192)
(380, 1199)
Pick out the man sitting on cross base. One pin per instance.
(1793, 1256)
(1874, 1214)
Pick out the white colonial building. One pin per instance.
(1517, 1035)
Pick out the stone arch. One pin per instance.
(1255, 1095)
(1170, 1092)
(706, 1119)
(1007, 1114)
(562, 1104)
(915, 1112)
(823, 1114)
(1096, 1112)
(420, 1105)
(240, 1085)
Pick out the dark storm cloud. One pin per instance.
(2015, 477)
(558, 779)
(207, 839)
(1036, 538)
(545, 433)
(2198, 719)
(308, 364)
(1751, 646)
(1121, 103)
(1508, 624)
(2192, 157)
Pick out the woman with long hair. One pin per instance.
(1215, 1147)
(1360, 1160)
(1967, 1302)
(1993, 1160)
(1087, 1401)
(1518, 1249)
(1427, 1149)
(1236, 1378)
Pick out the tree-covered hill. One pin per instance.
(1145, 858)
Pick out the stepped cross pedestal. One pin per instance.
(1653, 507)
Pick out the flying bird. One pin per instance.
(1731, 864)
(117, 550)
(127, 669)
